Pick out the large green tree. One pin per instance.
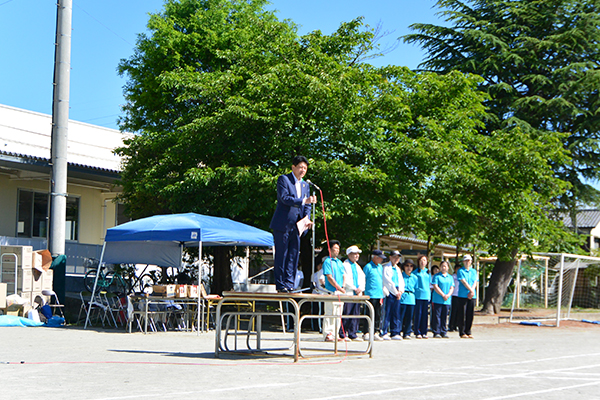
(539, 63)
(221, 95)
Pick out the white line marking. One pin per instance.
(497, 377)
(534, 361)
(162, 394)
(571, 378)
(510, 396)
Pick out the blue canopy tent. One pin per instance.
(160, 239)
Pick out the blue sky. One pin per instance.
(105, 32)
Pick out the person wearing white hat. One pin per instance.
(467, 279)
(354, 285)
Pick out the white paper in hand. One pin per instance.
(303, 224)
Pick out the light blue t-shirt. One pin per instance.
(373, 280)
(445, 283)
(423, 289)
(470, 276)
(410, 283)
(353, 268)
(335, 268)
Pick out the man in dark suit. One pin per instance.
(293, 203)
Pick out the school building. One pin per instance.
(25, 170)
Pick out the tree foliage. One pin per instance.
(539, 64)
(221, 96)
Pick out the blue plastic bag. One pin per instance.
(55, 321)
(13, 320)
(46, 311)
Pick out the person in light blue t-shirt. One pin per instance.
(407, 301)
(422, 296)
(335, 275)
(443, 286)
(467, 283)
(374, 289)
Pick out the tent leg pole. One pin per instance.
(199, 289)
(89, 308)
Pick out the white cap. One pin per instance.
(467, 258)
(353, 249)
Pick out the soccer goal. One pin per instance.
(552, 285)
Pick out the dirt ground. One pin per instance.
(503, 361)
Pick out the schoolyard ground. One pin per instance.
(503, 361)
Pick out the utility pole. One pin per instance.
(60, 128)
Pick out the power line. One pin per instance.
(1, 4)
(98, 21)
(97, 118)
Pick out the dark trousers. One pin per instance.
(287, 250)
(350, 325)
(440, 316)
(316, 309)
(453, 314)
(378, 323)
(421, 315)
(406, 316)
(466, 310)
(391, 319)
(431, 314)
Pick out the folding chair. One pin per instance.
(56, 304)
(99, 306)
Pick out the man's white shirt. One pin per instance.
(388, 284)
(349, 287)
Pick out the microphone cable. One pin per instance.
(329, 250)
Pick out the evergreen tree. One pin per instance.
(539, 60)
(540, 64)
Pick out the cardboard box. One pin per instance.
(38, 297)
(24, 280)
(42, 260)
(47, 280)
(3, 295)
(181, 291)
(34, 297)
(36, 261)
(163, 290)
(37, 280)
(15, 309)
(192, 291)
(24, 255)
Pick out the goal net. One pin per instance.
(553, 286)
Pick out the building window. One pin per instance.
(121, 216)
(72, 220)
(32, 219)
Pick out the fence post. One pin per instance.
(560, 285)
(573, 288)
(546, 284)
(518, 286)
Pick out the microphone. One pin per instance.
(312, 184)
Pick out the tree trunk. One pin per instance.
(501, 276)
(222, 271)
